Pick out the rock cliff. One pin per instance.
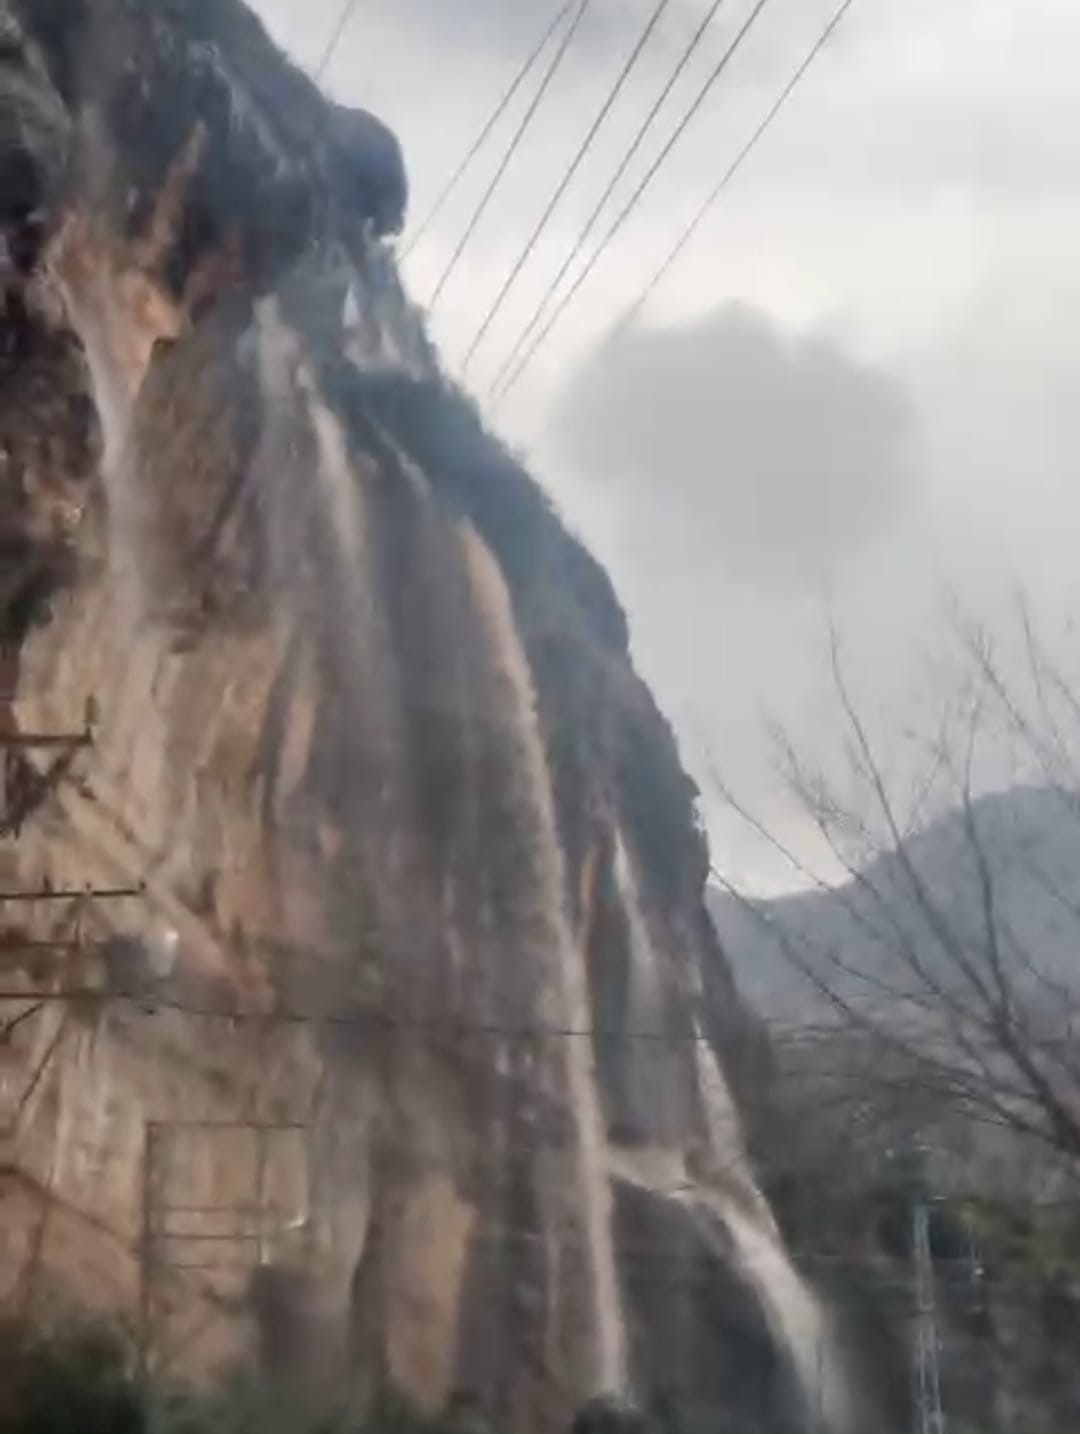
(388, 1039)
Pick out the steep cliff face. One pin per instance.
(398, 1060)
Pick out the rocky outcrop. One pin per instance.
(396, 1061)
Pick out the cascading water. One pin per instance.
(462, 855)
(800, 1324)
(732, 1200)
(571, 1008)
(795, 1316)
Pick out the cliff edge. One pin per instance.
(378, 1036)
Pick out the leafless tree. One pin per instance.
(944, 988)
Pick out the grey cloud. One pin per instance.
(731, 443)
(721, 470)
(998, 391)
(509, 25)
(926, 143)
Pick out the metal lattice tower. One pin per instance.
(929, 1413)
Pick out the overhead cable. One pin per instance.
(150, 1002)
(486, 129)
(564, 183)
(540, 311)
(336, 37)
(636, 197)
(519, 135)
(738, 162)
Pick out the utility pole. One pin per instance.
(43, 957)
(92, 894)
(23, 786)
(147, 1256)
(46, 741)
(929, 1413)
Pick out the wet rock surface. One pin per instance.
(369, 756)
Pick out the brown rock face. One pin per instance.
(394, 1066)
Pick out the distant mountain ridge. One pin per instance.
(1030, 837)
(853, 1130)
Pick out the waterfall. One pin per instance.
(645, 977)
(286, 746)
(797, 1321)
(497, 616)
(794, 1315)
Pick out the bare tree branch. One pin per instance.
(930, 999)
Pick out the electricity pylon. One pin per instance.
(929, 1413)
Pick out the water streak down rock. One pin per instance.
(434, 1089)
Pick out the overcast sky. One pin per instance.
(858, 388)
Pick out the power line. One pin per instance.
(149, 1002)
(738, 162)
(590, 224)
(564, 183)
(635, 198)
(336, 37)
(519, 135)
(150, 999)
(8, 1030)
(492, 120)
